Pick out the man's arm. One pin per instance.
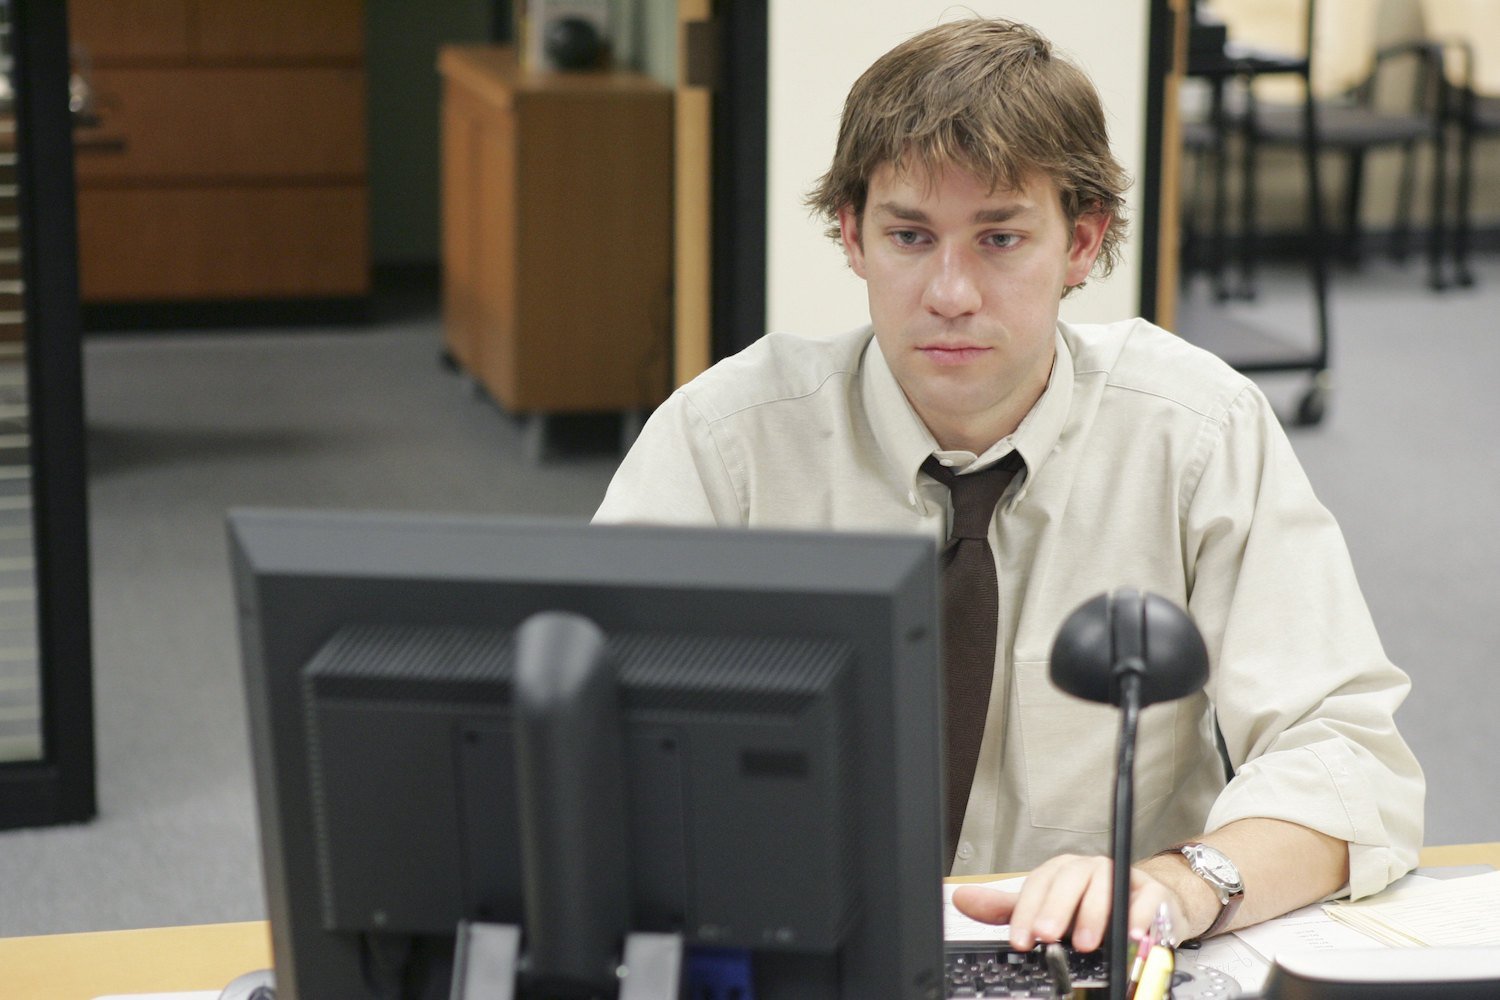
(1283, 866)
(1325, 793)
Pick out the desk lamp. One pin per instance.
(1131, 649)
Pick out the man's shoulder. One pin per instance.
(1136, 356)
(777, 368)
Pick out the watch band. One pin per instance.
(1212, 866)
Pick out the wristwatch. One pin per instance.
(1210, 864)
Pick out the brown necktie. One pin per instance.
(971, 605)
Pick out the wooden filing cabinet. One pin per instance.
(228, 160)
(557, 219)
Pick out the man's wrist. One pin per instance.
(1196, 899)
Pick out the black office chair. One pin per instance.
(1477, 116)
(1467, 31)
(1222, 63)
(1355, 123)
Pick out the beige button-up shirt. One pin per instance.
(1149, 463)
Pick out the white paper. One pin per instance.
(957, 927)
(1459, 912)
(194, 995)
(1307, 929)
(1304, 930)
(1235, 959)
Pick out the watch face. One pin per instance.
(1221, 869)
(1214, 865)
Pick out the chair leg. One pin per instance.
(1462, 220)
(1218, 250)
(1437, 239)
(1187, 221)
(1405, 188)
(1249, 232)
(1353, 191)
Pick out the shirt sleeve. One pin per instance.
(1301, 687)
(673, 474)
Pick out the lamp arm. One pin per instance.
(1128, 679)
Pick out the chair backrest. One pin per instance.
(1476, 22)
(1344, 39)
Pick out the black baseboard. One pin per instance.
(407, 276)
(1293, 245)
(104, 317)
(395, 287)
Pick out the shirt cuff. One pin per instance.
(1322, 786)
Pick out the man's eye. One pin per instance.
(1002, 240)
(906, 237)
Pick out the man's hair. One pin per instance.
(990, 97)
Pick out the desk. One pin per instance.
(83, 966)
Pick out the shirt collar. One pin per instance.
(905, 442)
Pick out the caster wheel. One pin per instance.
(1312, 407)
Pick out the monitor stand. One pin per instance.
(488, 957)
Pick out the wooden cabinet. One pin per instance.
(228, 160)
(557, 221)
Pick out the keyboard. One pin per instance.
(979, 970)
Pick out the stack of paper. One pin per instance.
(1458, 912)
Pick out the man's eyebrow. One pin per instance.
(906, 213)
(1004, 213)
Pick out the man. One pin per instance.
(971, 189)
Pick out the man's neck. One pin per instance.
(980, 434)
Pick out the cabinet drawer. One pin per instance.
(142, 244)
(281, 29)
(218, 29)
(201, 123)
(137, 29)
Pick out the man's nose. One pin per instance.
(952, 289)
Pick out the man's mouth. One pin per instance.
(952, 354)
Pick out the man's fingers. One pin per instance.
(990, 906)
(1068, 892)
(1092, 921)
(1147, 897)
(1051, 897)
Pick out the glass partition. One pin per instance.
(46, 692)
(20, 705)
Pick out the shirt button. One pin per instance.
(965, 851)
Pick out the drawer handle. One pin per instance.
(99, 143)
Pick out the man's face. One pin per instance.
(964, 287)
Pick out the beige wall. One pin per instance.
(816, 50)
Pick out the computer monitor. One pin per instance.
(778, 709)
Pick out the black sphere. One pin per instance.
(1108, 629)
(572, 43)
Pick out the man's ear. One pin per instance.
(1088, 237)
(849, 235)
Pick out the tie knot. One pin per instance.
(974, 494)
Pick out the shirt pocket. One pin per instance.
(1068, 748)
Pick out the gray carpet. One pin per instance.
(184, 426)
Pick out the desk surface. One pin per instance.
(205, 957)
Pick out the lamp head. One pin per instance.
(1123, 631)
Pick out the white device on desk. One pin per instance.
(1387, 974)
(257, 985)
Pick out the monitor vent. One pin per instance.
(658, 672)
(379, 661)
(719, 674)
